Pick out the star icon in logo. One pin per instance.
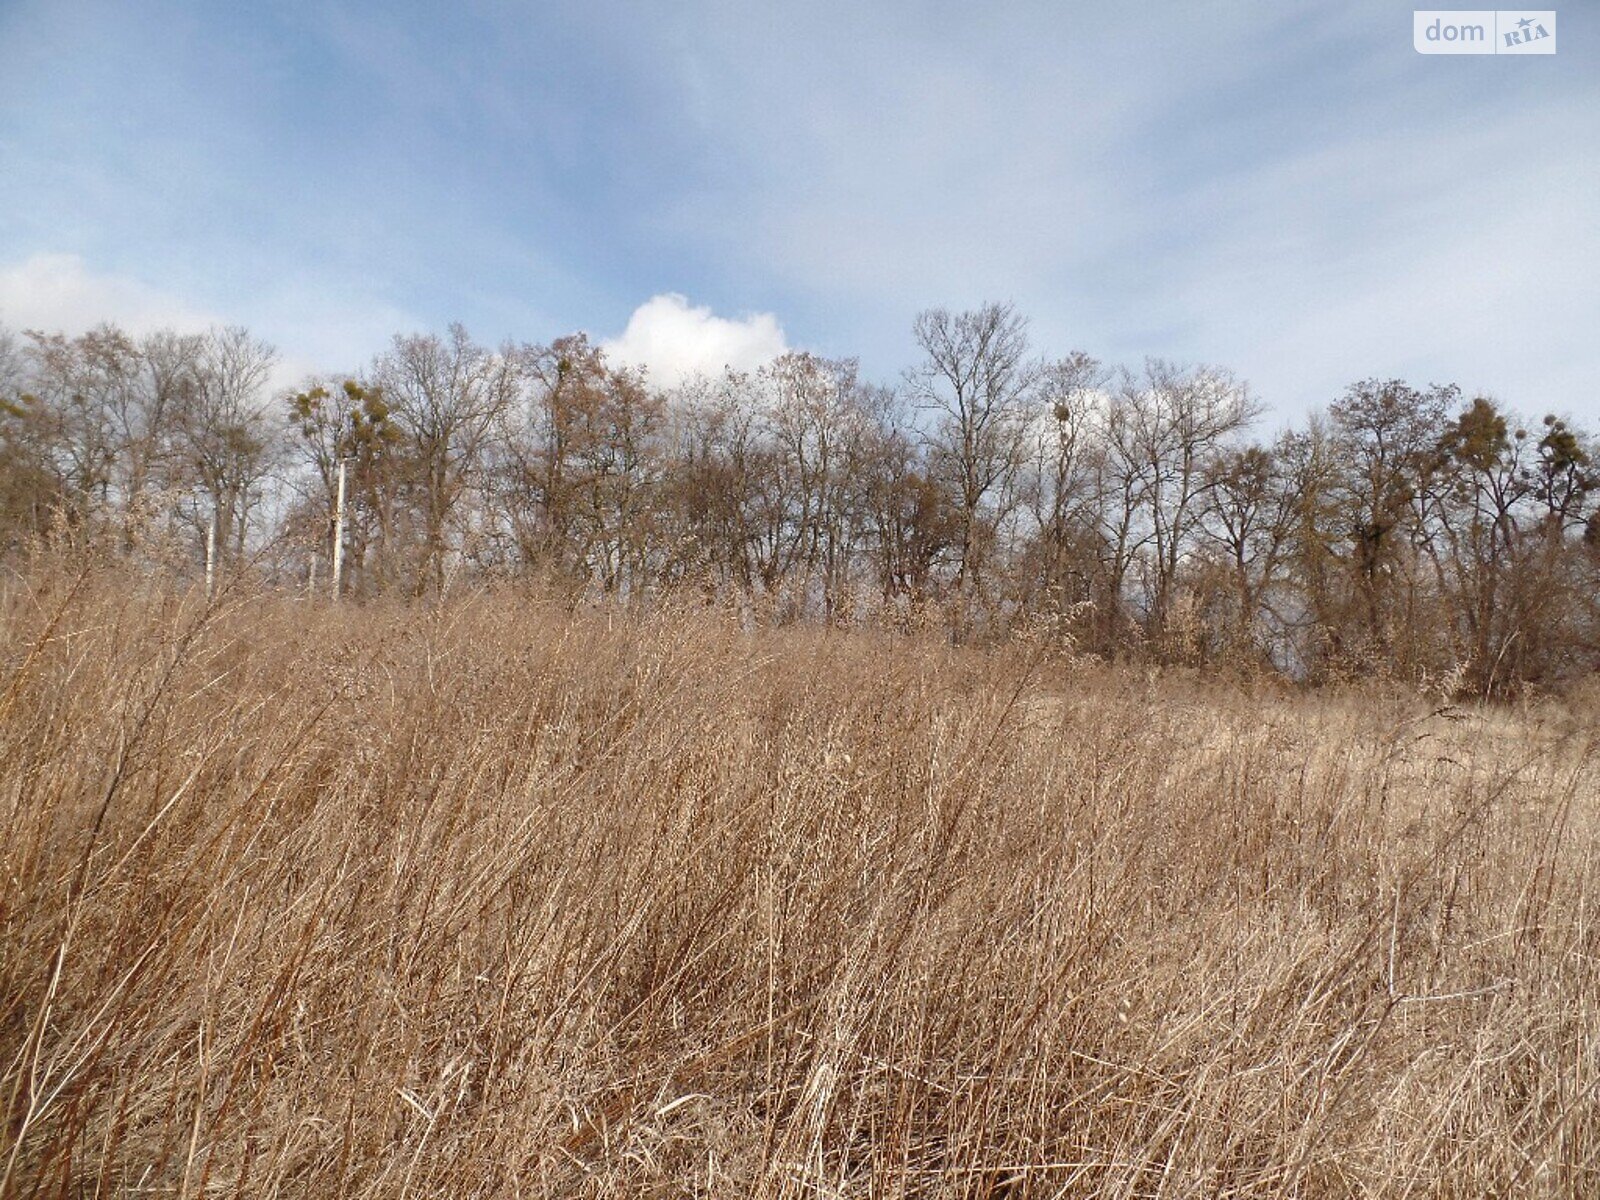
(1524, 23)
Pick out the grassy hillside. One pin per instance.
(497, 900)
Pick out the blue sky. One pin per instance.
(1286, 189)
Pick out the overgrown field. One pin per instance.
(495, 899)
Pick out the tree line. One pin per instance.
(1415, 532)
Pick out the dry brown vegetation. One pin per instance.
(495, 898)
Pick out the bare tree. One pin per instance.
(975, 380)
(1386, 438)
(1059, 487)
(446, 396)
(915, 525)
(1400, 532)
(1252, 504)
(1178, 419)
(30, 484)
(823, 423)
(77, 385)
(149, 427)
(225, 435)
(712, 499)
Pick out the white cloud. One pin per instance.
(314, 327)
(675, 340)
(59, 293)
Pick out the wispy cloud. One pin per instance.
(60, 293)
(312, 331)
(1286, 188)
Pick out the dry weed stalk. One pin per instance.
(493, 899)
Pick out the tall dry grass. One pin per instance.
(494, 899)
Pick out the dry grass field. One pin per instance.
(497, 899)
